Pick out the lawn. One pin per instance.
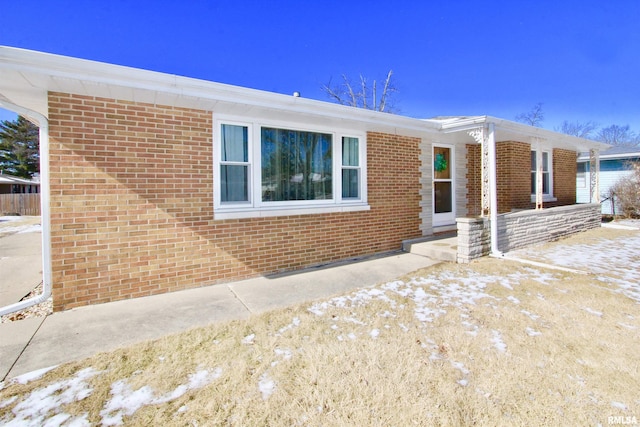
(494, 342)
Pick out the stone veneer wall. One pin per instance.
(524, 228)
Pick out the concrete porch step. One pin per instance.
(441, 248)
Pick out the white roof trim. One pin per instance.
(620, 156)
(510, 128)
(26, 76)
(41, 72)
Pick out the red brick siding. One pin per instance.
(514, 176)
(565, 169)
(132, 206)
(474, 180)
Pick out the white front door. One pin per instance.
(444, 200)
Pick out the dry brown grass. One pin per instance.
(570, 358)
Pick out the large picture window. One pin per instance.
(266, 170)
(296, 165)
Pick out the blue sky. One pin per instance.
(581, 59)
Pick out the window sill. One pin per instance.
(545, 198)
(239, 213)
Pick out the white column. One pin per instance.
(493, 189)
(539, 175)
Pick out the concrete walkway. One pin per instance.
(20, 266)
(37, 343)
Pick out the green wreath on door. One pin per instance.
(440, 163)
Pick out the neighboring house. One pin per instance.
(10, 184)
(156, 183)
(614, 165)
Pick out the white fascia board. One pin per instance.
(531, 132)
(49, 72)
(585, 157)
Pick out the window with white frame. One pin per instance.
(350, 168)
(234, 163)
(547, 184)
(296, 165)
(581, 179)
(272, 169)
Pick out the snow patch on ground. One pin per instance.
(15, 224)
(44, 404)
(125, 401)
(621, 271)
(249, 339)
(513, 299)
(592, 311)
(266, 386)
(496, 339)
(532, 332)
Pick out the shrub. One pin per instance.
(625, 192)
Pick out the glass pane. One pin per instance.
(533, 160)
(296, 165)
(350, 151)
(441, 163)
(350, 183)
(545, 183)
(533, 183)
(443, 197)
(235, 143)
(545, 162)
(234, 183)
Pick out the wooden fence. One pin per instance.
(21, 204)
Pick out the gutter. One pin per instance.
(206, 94)
(45, 215)
(493, 190)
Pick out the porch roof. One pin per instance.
(506, 130)
(10, 179)
(614, 153)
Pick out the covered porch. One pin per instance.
(520, 186)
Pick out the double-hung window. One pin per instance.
(542, 163)
(350, 168)
(268, 169)
(234, 163)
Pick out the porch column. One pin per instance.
(594, 175)
(485, 136)
(480, 135)
(539, 172)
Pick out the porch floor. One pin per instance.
(441, 247)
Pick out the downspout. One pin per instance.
(45, 216)
(493, 191)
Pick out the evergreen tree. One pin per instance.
(19, 148)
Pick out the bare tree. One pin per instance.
(372, 95)
(579, 129)
(534, 117)
(618, 135)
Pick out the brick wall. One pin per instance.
(474, 180)
(132, 206)
(514, 176)
(565, 169)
